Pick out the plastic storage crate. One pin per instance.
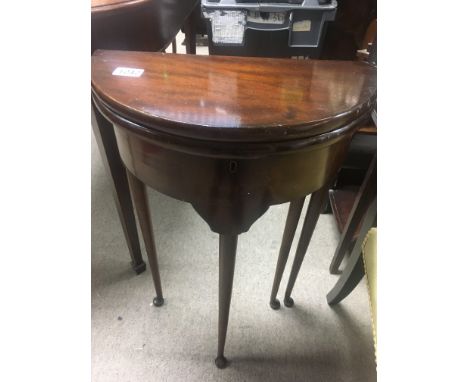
(273, 28)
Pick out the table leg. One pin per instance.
(227, 259)
(105, 138)
(317, 200)
(190, 33)
(294, 213)
(140, 198)
(363, 199)
(354, 270)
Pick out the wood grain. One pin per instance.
(140, 25)
(98, 6)
(234, 98)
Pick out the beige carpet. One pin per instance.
(134, 341)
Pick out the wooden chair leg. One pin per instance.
(294, 213)
(317, 200)
(190, 33)
(227, 259)
(107, 143)
(140, 199)
(174, 46)
(354, 270)
(363, 199)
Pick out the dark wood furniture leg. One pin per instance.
(105, 138)
(190, 33)
(316, 203)
(363, 199)
(354, 270)
(227, 259)
(140, 199)
(294, 213)
(174, 46)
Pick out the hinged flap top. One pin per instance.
(233, 98)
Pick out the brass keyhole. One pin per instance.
(232, 166)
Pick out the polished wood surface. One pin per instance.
(107, 144)
(294, 213)
(269, 166)
(206, 130)
(235, 98)
(354, 271)
(348, 32)
(341, 203)
(367, 192)
(227, 261)
(316, 203)
(98, 6)
(368, 128)
(140, 198)
(143, 25)
(125, 25)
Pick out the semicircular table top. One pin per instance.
(234, 98)
(108, 5)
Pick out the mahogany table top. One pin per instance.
(234, 98)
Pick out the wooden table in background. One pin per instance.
(140, 25)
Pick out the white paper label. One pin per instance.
(302, 26)
(271, 18)
(127, 72)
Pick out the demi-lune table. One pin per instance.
(230, 135)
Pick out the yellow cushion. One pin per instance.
(369, 254)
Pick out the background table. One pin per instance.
(143, 25)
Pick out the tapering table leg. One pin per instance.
(294, 213)
(363, 199)
(140, 199)
(227, 260)
(107, 143)
(354, 270)
(313, 212)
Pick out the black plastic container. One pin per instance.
(267, 29)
